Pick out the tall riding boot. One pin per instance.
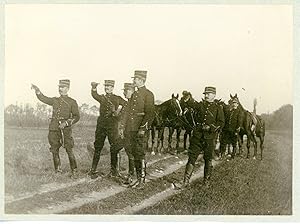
(187, 175)
(143, 175)
(72, 160)
(93, 173)
(138, 169)
(207, 172)
(73, 164)
(114, 164)
(56, 161)
(129, 178)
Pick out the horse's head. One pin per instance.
(234, 101)
(175, 105)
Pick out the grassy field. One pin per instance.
(28, 161)
(240, 186)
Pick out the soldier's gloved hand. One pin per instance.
(141, 132)
(36, 89)
(205, 127)
(63, 124)
(94, 84)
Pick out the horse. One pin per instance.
(157, 125)
(167, 115)
(228, 136)
(252, 126)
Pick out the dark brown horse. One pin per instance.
(167, 115)
(252, 126)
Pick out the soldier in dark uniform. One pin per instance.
(209, 119)
(107, 125)
(234, 125)
(65, 113)
(137, 118)
(187, 104)
(128, 91)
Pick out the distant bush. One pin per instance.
(280, 119)
(25, 115)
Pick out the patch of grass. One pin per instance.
(28, 161)
(240, 186)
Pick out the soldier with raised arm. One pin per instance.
(65, 114)
(107, 125)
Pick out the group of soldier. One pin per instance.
(125, 123)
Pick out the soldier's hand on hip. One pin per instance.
(62, 125)
(94, 84)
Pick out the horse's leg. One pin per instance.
(184, 139)
(222, 146)
(153, 132)
(261, 138)
(178, 131)
(248, 145)
(159, 144)
(240, 142)
(171, 132)
(255, 146)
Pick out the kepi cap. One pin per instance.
(210, 89)
(128, 85)
(140, 74)
(109, 83)
(64, 83)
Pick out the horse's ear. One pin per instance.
(235, 95)
(172, 95)
(231, 96)
(177, 95)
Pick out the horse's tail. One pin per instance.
(254, 105)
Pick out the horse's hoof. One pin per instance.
(153, 153)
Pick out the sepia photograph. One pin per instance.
(150, 111)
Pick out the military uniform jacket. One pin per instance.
(64, 109)
(235, 120)
(139, 113)
(210, 114)
(109, 104)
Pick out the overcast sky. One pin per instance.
(237, 48)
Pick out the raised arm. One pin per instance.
(41, 97)
(94, 93)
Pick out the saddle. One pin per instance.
(255, 121)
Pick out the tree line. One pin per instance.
(26, 115)
(281, 119)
